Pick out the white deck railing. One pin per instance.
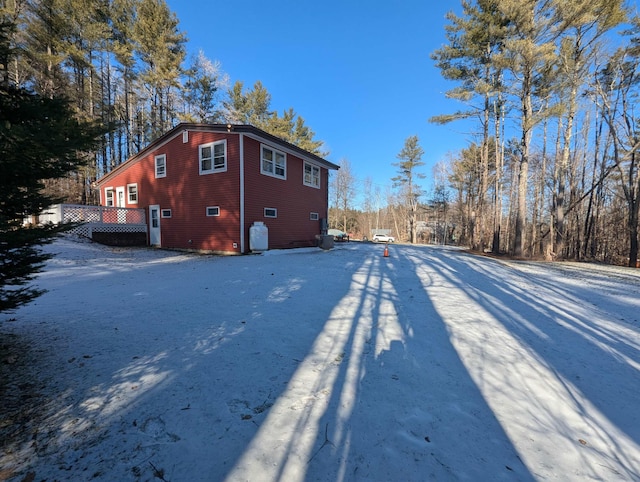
(105, 219)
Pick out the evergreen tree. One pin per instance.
(46, 27)
(473, 58)
(160, 47)
(123, 13)
(253, 107)
(39, 140)
(410, 158)
(250, 107)
(201, 90)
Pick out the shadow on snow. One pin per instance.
(270, 377)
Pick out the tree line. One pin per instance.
(124, 64)
(551, 87)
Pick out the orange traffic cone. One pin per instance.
(386, 251)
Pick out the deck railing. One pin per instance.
(105, 219)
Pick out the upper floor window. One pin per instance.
(108, 196)
(161, 165)
(274, 163)
(213, 157)
(132, 193)
(311, 175)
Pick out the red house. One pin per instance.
(204, 186)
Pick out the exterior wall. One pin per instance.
(187, 194)
(293, 200)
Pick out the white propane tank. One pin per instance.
(258, 237)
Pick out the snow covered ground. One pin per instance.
(430, 364)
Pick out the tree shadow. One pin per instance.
(571, 365)
(388, 396)
(339, 365)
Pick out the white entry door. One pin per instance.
(154, 225)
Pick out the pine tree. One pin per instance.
(204, 79)
(473, 58)
(250, 107)
(410, 158)
(160, 46)
(253, 107)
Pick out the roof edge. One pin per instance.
(231, 128)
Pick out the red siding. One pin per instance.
(188, 194)
(293, 200)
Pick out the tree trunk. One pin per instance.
(634, 204)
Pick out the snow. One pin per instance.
(431, 364)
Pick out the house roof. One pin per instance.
(249, 130)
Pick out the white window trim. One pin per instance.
(213, 169)
(304, 175)
(166, 213)
(164, 164)
(217, 211)
(129, 201)
(106, 196)
(270, 209)
(268, 173)
(314, 216)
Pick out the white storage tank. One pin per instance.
(258, 237)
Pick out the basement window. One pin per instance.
(270, 213)
(213, 211)
(313, 216)
(165, 213)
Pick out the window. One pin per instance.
(311, 175)
(155, 223)
(213, 157)
(108, 196)
(270, 213)
(132, 193)
(185, 137)
(213, 211)
(313, 216)
(165, 213)
(274, 163)
(161, 165)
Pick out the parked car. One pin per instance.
(338, 235)
(383, 238)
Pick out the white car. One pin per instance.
(383, 238)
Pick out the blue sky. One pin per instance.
(359, 73)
